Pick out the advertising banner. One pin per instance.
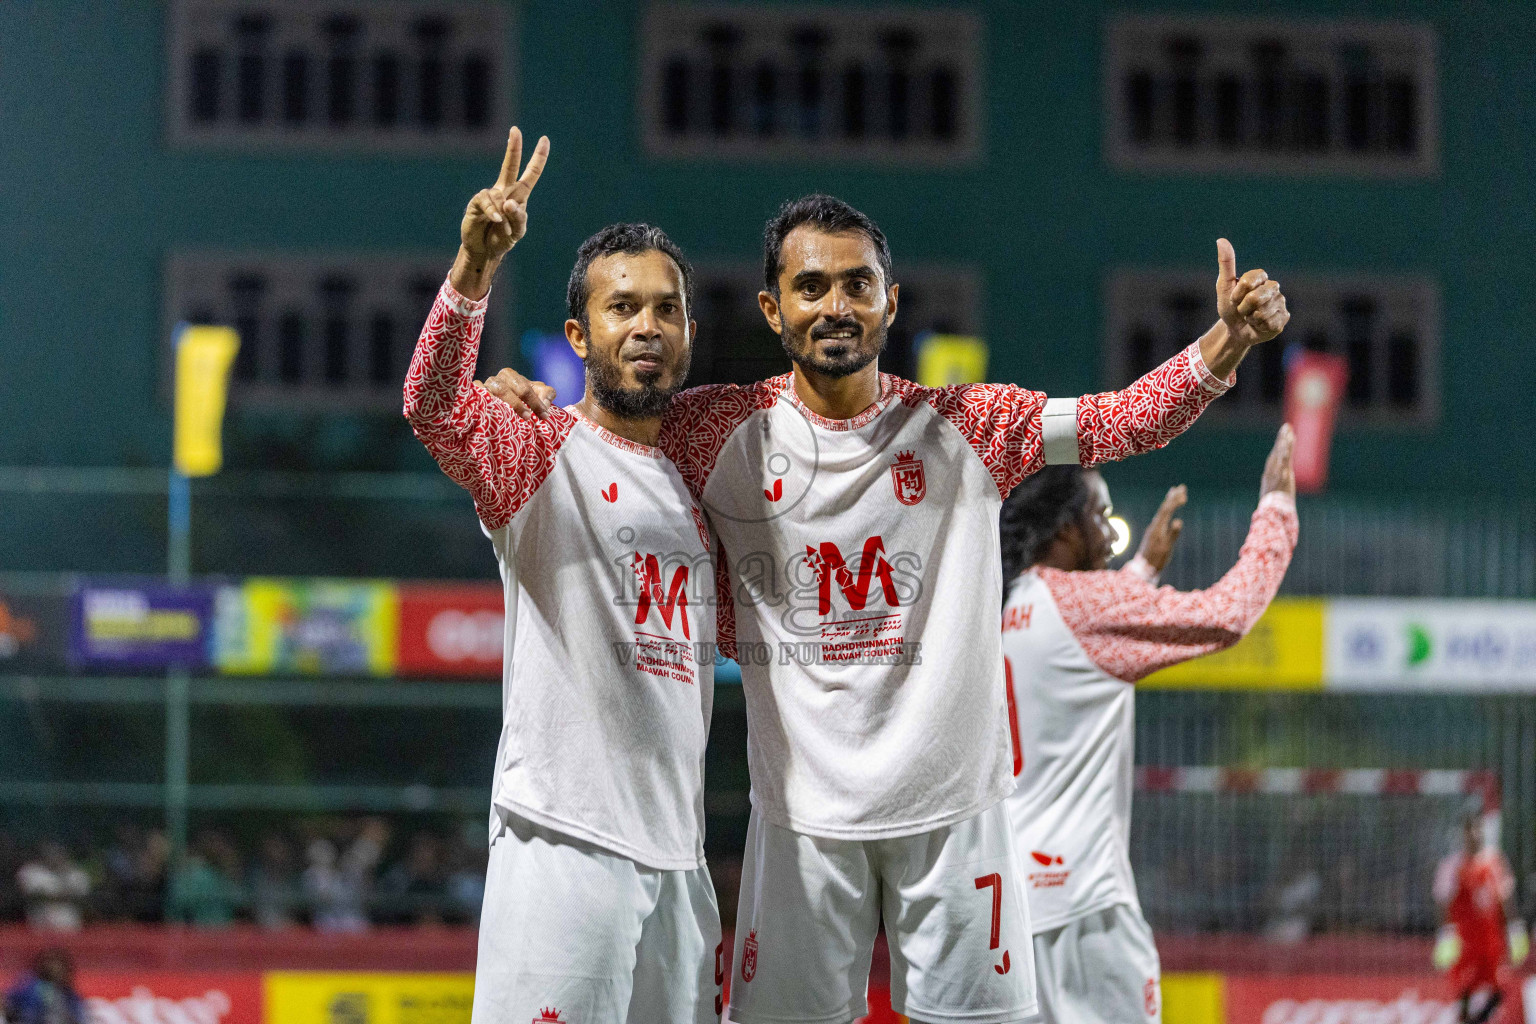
(1314, 388)
(140, 625)
(307, 627)
(945, 359)
(203, 357)
(1382, 644)
(152, 997)
(34, 632)
(1284, 651)
(451, 630)
(1339, 999)
(312, 997)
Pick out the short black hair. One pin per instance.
(824, 213)
(631, 240)
(1035, 513)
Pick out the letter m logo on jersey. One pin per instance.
(829, 566)
(673, 600)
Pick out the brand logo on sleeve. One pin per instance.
(749, 957)
(907, 478)
(611, 492)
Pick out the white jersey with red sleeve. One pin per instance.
(1073, 642)
(608, 575)
(864, 571)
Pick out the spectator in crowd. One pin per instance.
(464, 887)
(53, 889)
(338, 887)
(412, 891)
(47, 995)
(205, 891)
(274, 886)
(134, 875)
(10, 863)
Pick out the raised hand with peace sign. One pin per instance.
(496, 218)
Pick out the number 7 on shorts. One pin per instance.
(995, 882)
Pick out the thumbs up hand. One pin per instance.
(1251, 306)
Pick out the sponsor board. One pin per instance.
(1339, 999)
(121, 624)
(1284, 651)
(1194, 998)
(1382, 644)
(305, 997)
(165, 997)
(451, 630)
(34, 632)
(1314, 387)
(307, 627)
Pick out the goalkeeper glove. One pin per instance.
(1447, 948)
(1519, 942)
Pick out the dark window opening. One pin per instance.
(295, 87)
(207, 66)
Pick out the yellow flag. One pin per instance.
(945, 359)
(203, 359)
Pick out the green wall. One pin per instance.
(92, 197)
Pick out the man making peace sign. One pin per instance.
(598, 908)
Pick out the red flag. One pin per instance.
(1314, 387)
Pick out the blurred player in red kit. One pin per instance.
(1481, 933)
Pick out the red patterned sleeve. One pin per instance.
(490, 452)
(1001, 422)
(725, 606)
(1130, 627)
(699, 421)
(1148, 414)
(1016, 432)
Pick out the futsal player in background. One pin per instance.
(598, 907)
(1076, 636)
(1476, 889)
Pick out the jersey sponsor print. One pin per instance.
(858, 555)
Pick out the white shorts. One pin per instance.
(955, 920)
(1101, 968)
(572, 928)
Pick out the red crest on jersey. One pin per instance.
(749, 957)
(907, 477)
(548, 1015)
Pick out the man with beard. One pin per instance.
(598, 906)
(859, 513)
(1076, 639)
